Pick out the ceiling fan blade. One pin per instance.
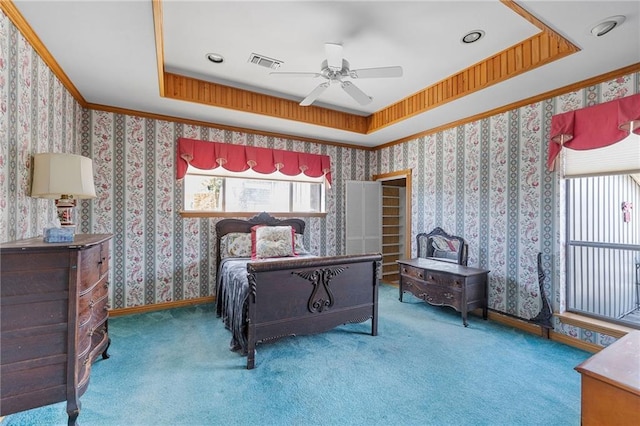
(357, 94)
(296, 74)
(376, 72)
(334, 55)
(314, 94)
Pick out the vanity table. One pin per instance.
(442, 283)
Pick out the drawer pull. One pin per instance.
(448, 296)
(92, 303)
(91, 332)
(106, 284)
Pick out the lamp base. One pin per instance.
(66, 206)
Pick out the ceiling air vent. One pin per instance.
(263, 61)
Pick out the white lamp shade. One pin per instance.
(55, 175)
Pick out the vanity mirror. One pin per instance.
(439, 245)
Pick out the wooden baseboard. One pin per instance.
(492, 315)
(161, 306)
(536, 329)
(576, 343)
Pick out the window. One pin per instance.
(603, 248)
(249, 192)
(601, 156)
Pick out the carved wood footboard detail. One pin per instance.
(320, 279)
(281, 303)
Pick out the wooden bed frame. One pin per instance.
(298, 296)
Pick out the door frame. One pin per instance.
(406, 174)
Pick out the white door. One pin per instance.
(363, 214)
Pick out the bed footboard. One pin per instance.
(308, 296)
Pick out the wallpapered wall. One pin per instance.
(158, 255)
(484, 180)
(487, 181)
(37, 114)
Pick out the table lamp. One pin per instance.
(64, 178)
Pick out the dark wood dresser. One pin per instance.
(611, 384)
(443, 283)
(53, 320)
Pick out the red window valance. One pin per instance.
(594, 127)
(207, 155)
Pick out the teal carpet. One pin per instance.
(424, 368)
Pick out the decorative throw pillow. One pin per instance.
(235, 244)
(299, 244)
(272, 241)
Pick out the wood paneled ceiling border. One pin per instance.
(515, 105)
(543, 48)
(10, 10)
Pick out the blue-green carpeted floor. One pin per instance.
(424, 368)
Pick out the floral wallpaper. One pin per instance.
(159, 256)
(487, 182)
(37, 114)
(484, 180)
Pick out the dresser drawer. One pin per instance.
(84, 338)
(433, 293)
(90, 268)
(410, 271)
(92, 310)
(437, 295)
(414, 286)
(104, 258)
(443, 279)
(99, 339)
(100, 309)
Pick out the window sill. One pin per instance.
(599, 326)
(195, 213)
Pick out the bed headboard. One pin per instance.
(226, 226)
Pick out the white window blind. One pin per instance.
(620, 158)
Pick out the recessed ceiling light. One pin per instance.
(472, 36)
(606, 25)
(216, 58)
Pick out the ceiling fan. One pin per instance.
(335, 69)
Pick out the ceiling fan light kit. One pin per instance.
(335, 69)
